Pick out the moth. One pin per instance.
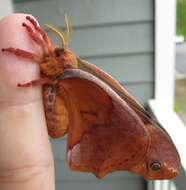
(108, 130)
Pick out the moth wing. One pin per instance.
(104, 133)
(160, 139)
(57, 118)
(116, 86)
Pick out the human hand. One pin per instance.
(26, 160)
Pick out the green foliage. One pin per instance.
(177, 107)
(181, 17)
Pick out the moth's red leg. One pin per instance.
(39, 29)
(35, 37)
(45, 42)
(38, 35)
(32, 83)
(38, 82)
(23, 54)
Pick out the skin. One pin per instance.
(26, 161)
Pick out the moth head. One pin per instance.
(62, 58)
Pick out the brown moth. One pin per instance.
(108, 130)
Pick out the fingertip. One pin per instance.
(14, 70)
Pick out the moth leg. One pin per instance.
(44, 42)
(24, 54)
(32, 83)
(35, 37)
(38, 82)
(39, 36)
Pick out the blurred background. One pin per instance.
(136, 41)
(180, 90)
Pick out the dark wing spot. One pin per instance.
(58, 51)
(155, 166)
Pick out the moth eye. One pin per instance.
(155, 166)
(58, 52)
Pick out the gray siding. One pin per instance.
(88, 12)
(118, 37)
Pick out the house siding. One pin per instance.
(118, 37)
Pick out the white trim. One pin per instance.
(164, 51)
